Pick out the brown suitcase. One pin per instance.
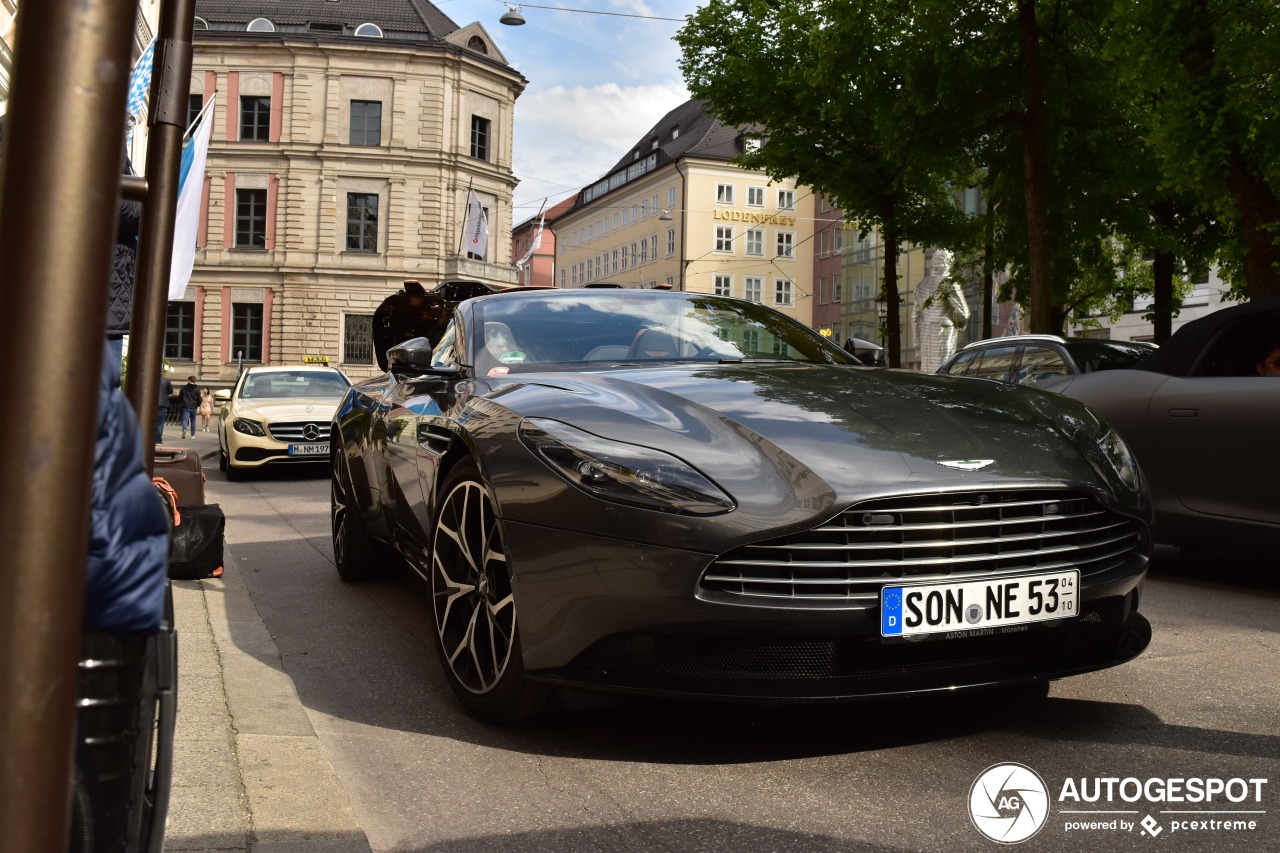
(181, 467)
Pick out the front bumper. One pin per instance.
(605, 614)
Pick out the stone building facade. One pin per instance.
(346, 140)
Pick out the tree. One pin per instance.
(1208, 67)
(822, 85)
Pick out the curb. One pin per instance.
(249, 771)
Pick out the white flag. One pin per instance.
(533, 247)
(186, 223)
(476, 232)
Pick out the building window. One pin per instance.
(357, 339)
(755, 241)
(753, 288)
(786, 199)
(195, 103)
(366, 122)
(782, 291)
(362, 222)
(723, 285)
(671, 242)
(724, 193)
(750, 340)
(671, 197)
(822, 290)
(480, 138)
(261, 25)
(653, 246)
(180, 331)
(251, 219)
(255, 118)
(837, 290)
(367, 30)
(724, 238)
(246, 331)
(755, 196)
(786, 244)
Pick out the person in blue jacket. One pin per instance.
(127, 569)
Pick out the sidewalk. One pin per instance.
(249, 773)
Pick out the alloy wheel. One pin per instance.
(471, 589)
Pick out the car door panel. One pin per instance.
(1219, 432)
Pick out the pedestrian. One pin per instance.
(189, 402)
(206, 408)
(1269, 365)
(162, 413)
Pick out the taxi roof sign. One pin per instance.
(315, 359)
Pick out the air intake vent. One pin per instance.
(844, 562)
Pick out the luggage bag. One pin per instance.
(181, 467)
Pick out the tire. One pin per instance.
(475, 608)
(234, 474)
(222, 459)
(356, 554)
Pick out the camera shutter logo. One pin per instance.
(1008, 803)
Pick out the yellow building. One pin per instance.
(676, 211)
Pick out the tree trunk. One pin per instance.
(892, 321)
(1034, 175)
(988, 271)
(1162, 306)
(1259, 221)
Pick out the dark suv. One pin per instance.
(1026, 359)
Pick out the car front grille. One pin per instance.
(299, 431)
(959, 536)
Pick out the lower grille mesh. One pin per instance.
(962, 536)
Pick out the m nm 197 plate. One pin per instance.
(321, 449)
(933, 608)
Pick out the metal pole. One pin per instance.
(59, 190)
(167, 119)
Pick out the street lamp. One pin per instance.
(882, 313)
(513, 18)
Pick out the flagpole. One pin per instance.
(204, 109)
(462, 233)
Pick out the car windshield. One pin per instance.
(284, 384)
(595, 327)
(1110, 355)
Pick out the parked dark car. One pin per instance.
(1030, 359)
(1203, 424)
(678, 494)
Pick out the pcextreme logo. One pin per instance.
(1010, 802)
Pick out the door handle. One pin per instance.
(1183, 413)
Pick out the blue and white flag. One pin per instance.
(186, 225)
(140, 86)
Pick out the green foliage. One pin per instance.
(1160, 130)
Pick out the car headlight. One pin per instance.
(248, 427)
(623, 473)
(1121, 458)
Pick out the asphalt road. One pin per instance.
(1202, 703)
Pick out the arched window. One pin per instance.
(477, 44)
(372, 31)
(261, 25)
(200, 24)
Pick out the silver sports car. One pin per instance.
(672, 493)
(1202, 415)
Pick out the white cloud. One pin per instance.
(596, 84)
(566, 137)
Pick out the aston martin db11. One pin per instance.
(669, 493)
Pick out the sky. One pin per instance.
(597, 83)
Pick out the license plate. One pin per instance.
(934, 608)
(309, 450)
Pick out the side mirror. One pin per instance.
(412, 356)
(222, 395)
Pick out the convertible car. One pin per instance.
(677, 494)
(1203, 423)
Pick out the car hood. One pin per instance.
(861, 431)
(317, 409)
